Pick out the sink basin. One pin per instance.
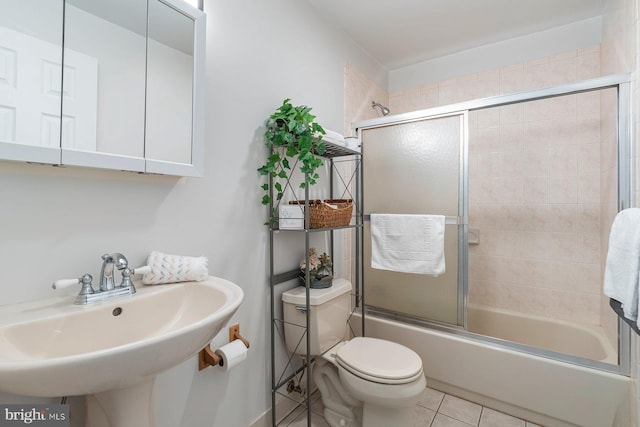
(55, 348)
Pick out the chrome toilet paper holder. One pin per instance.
(208, 357)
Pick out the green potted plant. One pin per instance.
(292, 134)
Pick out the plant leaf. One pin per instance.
(292, 151)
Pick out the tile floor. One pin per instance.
(434, 409)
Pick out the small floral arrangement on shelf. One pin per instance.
(320, 269)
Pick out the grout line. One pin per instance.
(481, 412)
(440, 404)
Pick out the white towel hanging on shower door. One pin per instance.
(622, 269)
(408, 243)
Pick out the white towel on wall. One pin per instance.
(408, 243)
(622, 269)
(333, 137)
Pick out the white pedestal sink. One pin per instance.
(110, 351)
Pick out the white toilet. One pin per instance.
(364, 381)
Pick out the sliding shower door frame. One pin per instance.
(621, 82)
(460, 219)
(463, 229)
(626, 199)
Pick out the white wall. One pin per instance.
(57, 222)
(556, 40)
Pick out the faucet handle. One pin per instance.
(128, 272)
(85, 280)
(145, 269)
(65, 283)
(87, 289)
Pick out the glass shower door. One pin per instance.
(417, 168)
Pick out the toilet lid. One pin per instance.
(380, 361)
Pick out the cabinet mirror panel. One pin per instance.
(130, 94)
(30, 79)
(170, 78)
(103, 105)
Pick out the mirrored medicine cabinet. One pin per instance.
(112, 84)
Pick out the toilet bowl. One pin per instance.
(363, 381)
(376, 382)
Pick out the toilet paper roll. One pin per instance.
(232, 354)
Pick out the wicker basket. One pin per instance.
(323, 214)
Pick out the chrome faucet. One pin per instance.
(108, 288)
(109, 261)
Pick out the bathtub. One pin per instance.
(539, 389)
(589, 342)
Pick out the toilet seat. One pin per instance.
(379, 361)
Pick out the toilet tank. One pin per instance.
(329, 310)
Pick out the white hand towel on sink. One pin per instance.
(622, 269)
(408, 243)
(175, 268)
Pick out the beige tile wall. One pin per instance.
(359, 91)
(534, 194)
